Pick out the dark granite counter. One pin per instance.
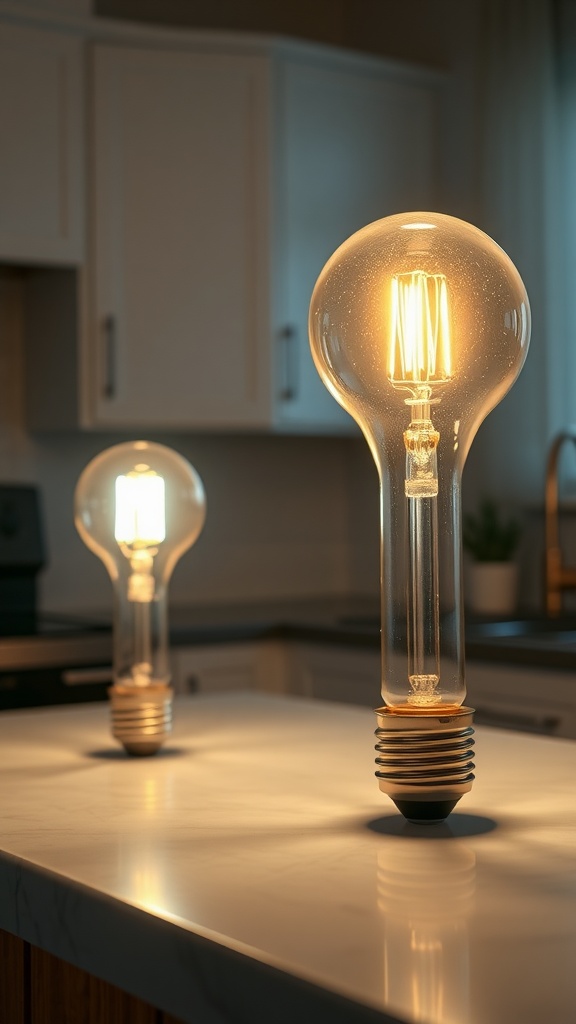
(346, 621)
(530, 640)
(355, 622)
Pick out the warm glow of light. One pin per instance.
(140, 508)
(420, 352)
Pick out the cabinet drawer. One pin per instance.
(217, 668)
(328, 672)
(523, 698)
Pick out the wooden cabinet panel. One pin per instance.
(13, 952)
(38, 988)
(68, 995)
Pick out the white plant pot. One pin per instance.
(492, 588)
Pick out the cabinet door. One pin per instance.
(41, 158)
(219, 668)
(180, 281)
(357, 145)
(523, 698)
(327, 672)
(12, 979)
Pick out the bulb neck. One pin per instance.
(140, 634)
(422, 614)
(140, 587)
(421, 442)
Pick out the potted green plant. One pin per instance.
(491, 542)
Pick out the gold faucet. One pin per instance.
(558, 577)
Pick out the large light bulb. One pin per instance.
(419, 325)
(139, 506)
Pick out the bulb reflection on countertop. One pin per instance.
(143, 853)
(425, 896)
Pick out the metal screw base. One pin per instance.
(141, 717)
(424, 761)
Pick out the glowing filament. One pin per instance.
(140, 509)
(420, 352)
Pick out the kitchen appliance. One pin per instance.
(64, 661)
(44, 658)
(22, 556)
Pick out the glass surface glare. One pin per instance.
(419, 325)
(139, 506)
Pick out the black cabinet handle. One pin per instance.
(109, 357)
(289, 340)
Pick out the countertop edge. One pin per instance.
(177, 970)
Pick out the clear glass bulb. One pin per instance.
(139, 506)
(419, 325)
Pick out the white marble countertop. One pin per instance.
(253, 871)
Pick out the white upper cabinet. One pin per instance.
(221, 184)
(179, 279)
(222, 174)
(41, 146)
(358, 142)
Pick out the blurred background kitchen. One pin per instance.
(174, 176)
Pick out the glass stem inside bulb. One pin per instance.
(423, 602)
(142, 668)
(140, 595)
(141, 655)
(423, 612)
(141, 642)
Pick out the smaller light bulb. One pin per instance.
(139, 506)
